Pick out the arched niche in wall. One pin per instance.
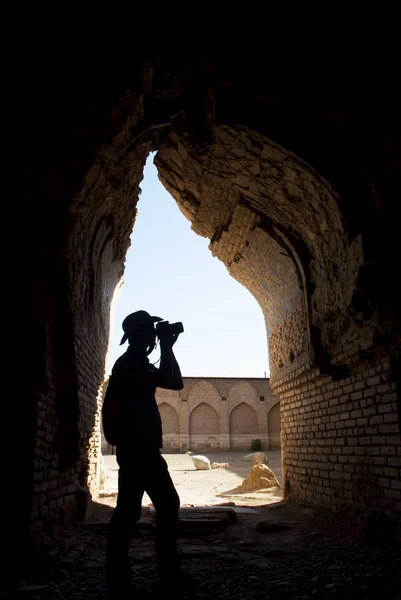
(243, 420)
(169, 417)
(242, 391)
(204, 391)
(204, 420)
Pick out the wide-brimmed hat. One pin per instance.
(135, 321)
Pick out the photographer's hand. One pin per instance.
(174, 338)
(168, 338)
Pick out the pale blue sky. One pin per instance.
(170, 272)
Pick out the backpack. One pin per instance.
(111, 413)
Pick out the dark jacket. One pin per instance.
(131, 417)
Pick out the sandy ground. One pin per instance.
(201, 488)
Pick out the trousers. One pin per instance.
(142, 471)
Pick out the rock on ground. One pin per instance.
(260, 476)
(217, 465)
(257, 458)
(201, 462)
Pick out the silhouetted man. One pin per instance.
(132, 422)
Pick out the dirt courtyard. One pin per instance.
(202, 488)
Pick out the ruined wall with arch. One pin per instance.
(204, 427)
(247, 415)
(244, 426)
(280, 231)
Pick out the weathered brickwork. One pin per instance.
(68, 443)
(218, 413)
(243, 420)
(169, 415)
(55, 454)
(270, 276)
(312, 288)
(263, 190)
(67, 446)
(341, 439)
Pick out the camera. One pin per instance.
(165, 326)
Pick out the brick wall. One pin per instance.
(244, 427)
(74, 313)
(243, 419)
(341, 439)
(204, 420)
(59, 453)
(169, 418)
(171, 427)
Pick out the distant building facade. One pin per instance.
(218, 413)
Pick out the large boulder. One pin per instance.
(201, 462)
(257, 458)
(259, 477)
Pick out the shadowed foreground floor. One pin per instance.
(278, 551)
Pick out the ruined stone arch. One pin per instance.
(244, 420)
(170, 418)
(242, 392)
(261, 189)
(298, 194)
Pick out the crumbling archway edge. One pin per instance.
(232, 214)
(257, 202)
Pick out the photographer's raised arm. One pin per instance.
(169, 371)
